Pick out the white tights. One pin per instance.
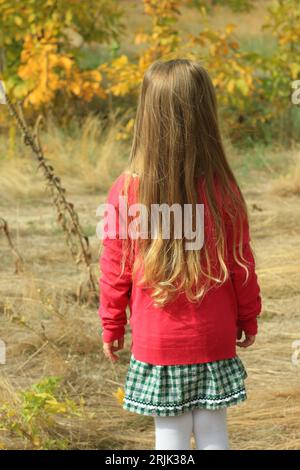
(209, 428)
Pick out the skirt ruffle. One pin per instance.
(172, 390)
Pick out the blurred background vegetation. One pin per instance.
(65, 60)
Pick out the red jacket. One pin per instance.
(182, 332)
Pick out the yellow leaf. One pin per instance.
(295, 69)
(36, 441)
(230, 86)
(75, 88)
(95, 75)
(121, 61)
(18, 20)
(65, 62)
(230, 27)
(129, 124)
(141, 38)
(55, 407)
(242, 86)
(119, 394)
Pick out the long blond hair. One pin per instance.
(176, 141)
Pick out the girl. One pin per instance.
(187, 306)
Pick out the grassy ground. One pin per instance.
(47, 333)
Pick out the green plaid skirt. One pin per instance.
(172, 390)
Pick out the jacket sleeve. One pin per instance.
(114, 285)
(247, 290)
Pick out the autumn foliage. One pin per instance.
(42, 65)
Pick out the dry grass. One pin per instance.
(47, 333)
(289, 184)
(87, 161)
(248, 24)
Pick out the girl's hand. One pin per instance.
(109, 348)
(248, 341)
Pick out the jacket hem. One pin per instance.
(178, 356)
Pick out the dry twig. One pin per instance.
(67, 217)
(19, 263)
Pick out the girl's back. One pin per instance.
(181, 331)
(188, 304)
